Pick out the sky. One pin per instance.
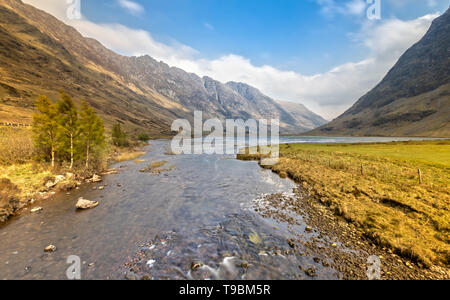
(325, 54)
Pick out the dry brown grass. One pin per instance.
(128, 154)
(384, 199)
(156, 167)
(16, 145)
(157, 164)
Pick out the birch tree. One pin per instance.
(68, 122)
(92, 132)
(45, 127)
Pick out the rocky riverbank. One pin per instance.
(327, 248)
(344, 192)
(340, 244)
(25, 185)
(14, 201)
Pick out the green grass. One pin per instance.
(376, 187)
(429, 152)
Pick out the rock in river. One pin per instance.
(36, 209)
(86, 204)
(50, 248)
(94, 179)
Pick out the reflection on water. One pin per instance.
(202, 204)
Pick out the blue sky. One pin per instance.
(289, 34)
(322, 53)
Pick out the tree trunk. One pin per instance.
(71, 152)
(87, 156)
(53, 156)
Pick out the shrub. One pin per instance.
(119, 138)
(143, 137)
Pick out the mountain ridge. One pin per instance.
(140, 92)
(413, 99)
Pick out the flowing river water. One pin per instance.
(200, 209)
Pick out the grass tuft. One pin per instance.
(128, 154)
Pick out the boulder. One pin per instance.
(86, 204)
(52, 183)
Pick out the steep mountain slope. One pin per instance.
(304, 116)
(215, 99)
(413, 99)
(33, 62)
(41, 55)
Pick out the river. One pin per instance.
(199, 209)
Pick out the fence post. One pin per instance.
(420, 176)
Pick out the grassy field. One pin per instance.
(379, 188)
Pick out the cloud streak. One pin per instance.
(132, 7)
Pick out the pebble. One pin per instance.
(262, 253)
(196, 266)
(36, 209)
(130, 276)
(151, 262)
(311, 272)
(291, 243)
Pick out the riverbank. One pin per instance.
(395, 195)
(24, 182)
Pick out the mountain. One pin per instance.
(41, 55)
(414, 97)
(305, 117)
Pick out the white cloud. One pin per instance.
(329, 93)
(132, 7)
